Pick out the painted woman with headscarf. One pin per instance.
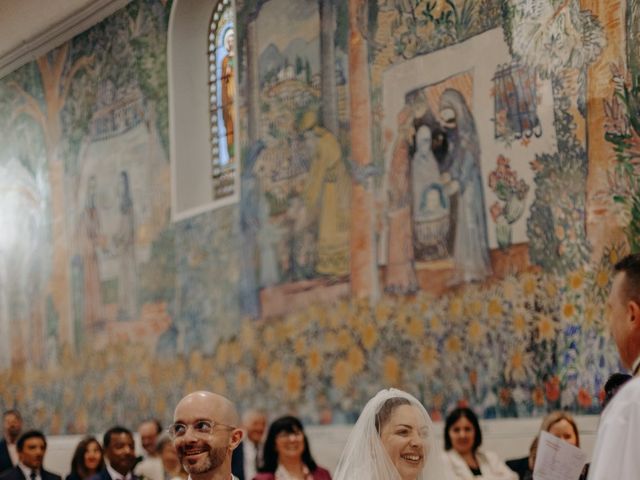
(471, 247)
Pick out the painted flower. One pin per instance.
(344, 339)
(475, 331)
(519, 323)
(455, 307)
(436, 324)
(341, 374)
(546, 329)
(602, 278)
(552, 389)
(584, 398)
(453, 344)
(516, 368)
(314, 360)
(293, 383)
(538, 396)
(576, 280)
(369, 336)
(568, 310)
(428, 358)
(528, 284)
(391, 370)
(494, 309)
(275, 374)
(300, 346)
(415, 327)
(243, 380)
(356, 359)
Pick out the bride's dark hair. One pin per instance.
(386, 410)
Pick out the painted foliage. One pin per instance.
(421, 189)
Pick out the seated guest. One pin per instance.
(12, 427)
(149, 464)
(392, 439)
(31, 446)
(464, 456)
(120, 456)
(287, 454)
(562, 425)
(87, 459)
(173, 469)
(247, 458)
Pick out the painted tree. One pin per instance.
(364, 281)
(56, 74)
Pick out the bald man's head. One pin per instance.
(207, 435)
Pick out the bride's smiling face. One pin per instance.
(404, 439)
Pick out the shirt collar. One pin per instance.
(116, 475)
(26, 471)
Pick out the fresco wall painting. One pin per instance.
(432, 195)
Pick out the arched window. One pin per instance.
(202, 84)
(222, 88)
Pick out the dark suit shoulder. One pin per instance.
(12, 474)
(46, 475)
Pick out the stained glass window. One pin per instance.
(222, 93)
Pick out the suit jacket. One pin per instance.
(104, 475)
(16, 474)
(237, 463)
(520, 466)
(5, 458)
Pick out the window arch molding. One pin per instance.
(189, 110)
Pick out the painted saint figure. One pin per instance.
(470, 248)
(327, 195)
(228, 88)
(125, 246)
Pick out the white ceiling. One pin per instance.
(29, 28)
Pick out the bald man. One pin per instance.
(205, 432)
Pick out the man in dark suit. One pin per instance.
(32, 446)
(12, 427)
(247, 458)
(120, 455)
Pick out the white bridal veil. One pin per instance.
(364, 456)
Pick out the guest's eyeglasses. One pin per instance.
(201, 428)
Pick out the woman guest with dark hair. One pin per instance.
(464, 456)
(87, 459)
(287, 455)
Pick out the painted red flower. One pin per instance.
(552, 389)
(584, 398)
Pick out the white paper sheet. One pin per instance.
(557, 459)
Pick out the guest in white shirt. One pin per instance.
(615, 455)
(150, 465)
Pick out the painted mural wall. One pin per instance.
(432, 195)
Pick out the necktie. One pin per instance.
(33, 475)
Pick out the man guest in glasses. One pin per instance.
(32, 446)
(205, 433)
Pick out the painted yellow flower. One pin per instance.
(528, 284)
(589, 316)
(369, 336)
(475, 331)
(391, 370)
(453, 344)
(415, 327)
(602, 278)
(429, 358)
(568, 310)
(516, 368)
(160, 404)
(222, 355)
(293, 383)
(262, 363)
(455, 307)
(330, 341)
(244, 379)
(355, 358)
(509, 290)
(613, 256)
(344, 339)
(494, 309)
(314, 360)
(248, 334)
(576, 280)
(436, 324)
(551, 288)
(519, 323)
(275, 373)
(341, 374)
(474, 308)
(300, 346)
(546, 329)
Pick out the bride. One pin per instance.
(392, 440)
